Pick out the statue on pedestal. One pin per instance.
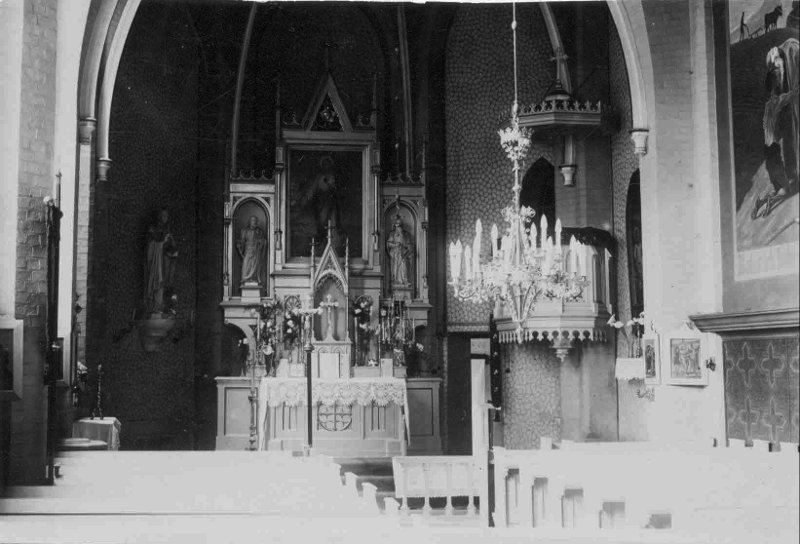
(162, 252)
(401, 252)
(251, 246)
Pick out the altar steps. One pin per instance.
(379, 472)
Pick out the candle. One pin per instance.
(468, 263)
(533, 235)
(543, 228)
(581, 260)
(495, 241)
(476, 249)
(558, 234)
(573, 256)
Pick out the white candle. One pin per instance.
(495, 241)
(468, 263)
(558, 233)
(476, 249)
(573, 255)
(543, 228)
(533, 235)
(581, 260)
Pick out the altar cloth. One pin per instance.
(348, 391)
(106, 429)
(273, 392)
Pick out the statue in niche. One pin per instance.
(162, 253)
(401, 252)
(251, 246)
(323, 195)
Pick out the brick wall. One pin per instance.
(37, 120)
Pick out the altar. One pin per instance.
(349, 317)
(350, 417)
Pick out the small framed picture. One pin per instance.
(652, 360)
(684, 358)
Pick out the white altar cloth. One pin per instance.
(273, 392)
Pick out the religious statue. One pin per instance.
(323, 195)
(162, 253)
(401, 251)
(251, 246)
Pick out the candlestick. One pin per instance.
(543, 229)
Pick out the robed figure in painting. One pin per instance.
(251, 246)
(323, 196)
(162, 252)
(401, 251)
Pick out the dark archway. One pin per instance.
(633, 229)
(539, 192)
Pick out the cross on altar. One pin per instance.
(328, 304)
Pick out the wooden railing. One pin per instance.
(690, 487)
(437, 476)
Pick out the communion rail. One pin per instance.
(625, 485)
(428, 477)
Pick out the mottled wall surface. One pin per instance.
(153, 143)
(480, 91)
(532, 395)
(761, 388)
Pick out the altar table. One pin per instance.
(106, 429)
(362, 417)
(352, 417)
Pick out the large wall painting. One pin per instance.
(325, 186)
(764, 103)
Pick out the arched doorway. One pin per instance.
(539, 192)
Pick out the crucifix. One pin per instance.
(328, 304)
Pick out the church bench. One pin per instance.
(598, 485)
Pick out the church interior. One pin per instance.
(528, 268)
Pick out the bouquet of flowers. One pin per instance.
(267, 334)
(637, 329)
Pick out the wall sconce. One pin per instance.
(711, 364)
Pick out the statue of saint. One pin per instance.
(401, 252)
(251, 246)
(162, 252)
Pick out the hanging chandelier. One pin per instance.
(526, 265)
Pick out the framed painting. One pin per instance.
(684, 360)
(10, 359)
(652, 361)
(325, 187)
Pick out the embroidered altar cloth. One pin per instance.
(361, 391)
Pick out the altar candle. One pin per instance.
(543, 228)
(558, 234)
(533, 235)
(495, 241)
(573, 256)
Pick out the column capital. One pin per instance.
(86, 128)
(639, 137)
(103, 165)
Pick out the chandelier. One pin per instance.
(526, 265)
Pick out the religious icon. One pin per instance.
(325, 187)
(685, 361)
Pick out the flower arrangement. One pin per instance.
(361, 310)
(637, 330)
(266, 332)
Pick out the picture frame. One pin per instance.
(684, 354)
(326, 183)
(652, 358)
(11, 353)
